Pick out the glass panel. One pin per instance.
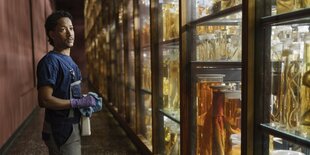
(130, 27)
(105, 50)
(219, 39)
(120, 62)
(144, 6)
(131, 69)
(172, 137)
(171, 80)
(131, 54)
(207, 7)
(290, 95)
(284, 6)
(146, 69)
(145, 120)
(218, 90)
(113, 85)
(170, 19)
(130, 86)
(132, 110)
(102, 63)
(145, 107)
(279, 146)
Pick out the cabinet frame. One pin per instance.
(262, 71)
(247, 76)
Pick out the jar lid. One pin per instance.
(232, 94)
(285, 152)
(220, 87)
(211, 77)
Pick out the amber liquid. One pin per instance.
(287, 5)
(219, 131)
(305, 94)
(204, 117)
(232, 110)
(171, 142)
(305, 3)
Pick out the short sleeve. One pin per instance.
(47, 71)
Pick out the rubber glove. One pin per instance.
(89, 110)
(83, 102)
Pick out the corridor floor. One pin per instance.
(107, 137)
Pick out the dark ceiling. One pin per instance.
(75, 7)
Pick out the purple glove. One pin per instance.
(83, 102)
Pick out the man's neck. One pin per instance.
(65, 51)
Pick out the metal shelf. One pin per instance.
(216, 64)
(145, 91)
(293, 136)
(174, 41)
(296, 17)
(219, 14)
(170, 116)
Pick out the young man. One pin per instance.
(59, 89)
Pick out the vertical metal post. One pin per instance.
(184, 15)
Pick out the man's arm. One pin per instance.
(47, 100)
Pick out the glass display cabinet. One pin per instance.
(104, 54)
(214, 47)
(170, 99)
(119, 58)
(130, 65)
(112, 77)
(283, 110)
(167, 71)
(144, 108)
(102, 83)
(95, 36)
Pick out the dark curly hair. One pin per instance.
(51, 22)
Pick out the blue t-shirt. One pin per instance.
(59, 71)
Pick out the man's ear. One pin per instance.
(51, 34)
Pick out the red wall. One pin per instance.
(18, 58)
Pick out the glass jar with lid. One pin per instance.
(204, 110)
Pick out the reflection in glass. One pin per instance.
(171, 81)
(146, 69)
(172, 137)
(145, 115)
(145, 107)
(132, 110)
(131, 69)
(145, 120)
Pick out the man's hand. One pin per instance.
(87, 101)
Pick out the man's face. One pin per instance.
(63, 35)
